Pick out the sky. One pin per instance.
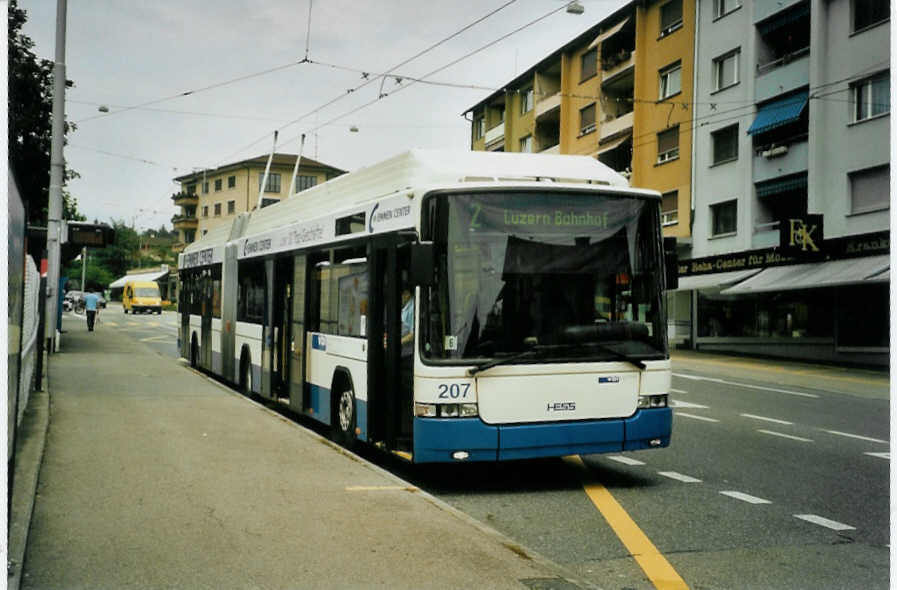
(150, 53)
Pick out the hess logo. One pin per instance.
(561, 407)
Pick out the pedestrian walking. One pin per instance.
(90, 307)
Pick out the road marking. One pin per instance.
(113, 324)
(678, 390)
(625, 460)
(681, 404)
(760, 387)
(652, 562)
(857, 436)
(679, 477)
(836, 526)
(729, 362)
(880, 455)
(162, 338)
(745, 497)
(765, 419)
(696, 417)
(788, 436)
(382, 488)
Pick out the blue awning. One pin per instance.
(779, 112)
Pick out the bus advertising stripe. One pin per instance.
(652, 562)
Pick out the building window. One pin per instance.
(587, 119)
(670, 17)
(191, 189)
(205, 188)
(725, 144)
(205, 210)
(526, 101)
(273, 185)
(588, 65)
(217, 185)
(870, 97)
(723, 7)
(526, 144)
(479, 127)
(189, 235)
(668, 145)
(669, 208)
(725, 70)
(869, 189)
(304, 182)
(217, 209)
(231, 207)
(671, 80)
(723, 218)
(266, 202)
(869, 12)
(231, 181)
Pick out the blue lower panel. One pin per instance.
(648, 425)
(320, 404)
(527, 441)
(435, 439)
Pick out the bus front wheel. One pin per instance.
(344, 423)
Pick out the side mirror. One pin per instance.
(423, 263)
(671, 263)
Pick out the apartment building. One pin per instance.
(209, 198)
(791, 191)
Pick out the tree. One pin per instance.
(29, 116)
(121, 255)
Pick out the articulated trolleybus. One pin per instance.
(446, 307)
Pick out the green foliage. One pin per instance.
(29, 114)
(117, 258)
(97, 277)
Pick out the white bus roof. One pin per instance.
(410, 170)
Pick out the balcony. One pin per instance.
(184, 222)
(773, 161)
(616, 126)
(495, 135)
(555, 149)
(547, 105)
(617, 65)
(764, 9)
(783, 75)
(182, 199)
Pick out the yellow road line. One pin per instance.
(806, 372)
(652, 562)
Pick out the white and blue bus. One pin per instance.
(446, 307)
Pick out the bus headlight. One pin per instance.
(657, 400)
(422, 410)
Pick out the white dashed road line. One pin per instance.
(625, 460)
(788, 436)
(745, 497)
(679, 477)
(765, 419)
(880, 455)
(857, 436)
(831, 524)
(695, 417)
(681, 404)
(678, 390)
(715, 380)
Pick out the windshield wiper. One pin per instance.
(507, 359)
(622, 356)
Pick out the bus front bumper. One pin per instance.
(439, 440)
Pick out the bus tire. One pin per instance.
(194, 352)
(344, 417)
(245, 375)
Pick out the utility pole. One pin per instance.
(57, 168)
(83, 269)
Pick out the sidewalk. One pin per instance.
(153, 476)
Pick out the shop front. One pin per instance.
(829, 304)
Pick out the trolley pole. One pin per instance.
(57, 168)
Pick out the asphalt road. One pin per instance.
(777, 477)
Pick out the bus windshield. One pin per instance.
(571, 276)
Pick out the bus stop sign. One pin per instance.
(95, 235)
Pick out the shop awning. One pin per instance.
(834, 273)
(146, 276)
(715, 280)
(782, 185)
(608, 33)
(779, 112)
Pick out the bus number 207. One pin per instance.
(454, 390)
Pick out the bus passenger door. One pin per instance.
(282, 323)
(205, 354)
(390, 401)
